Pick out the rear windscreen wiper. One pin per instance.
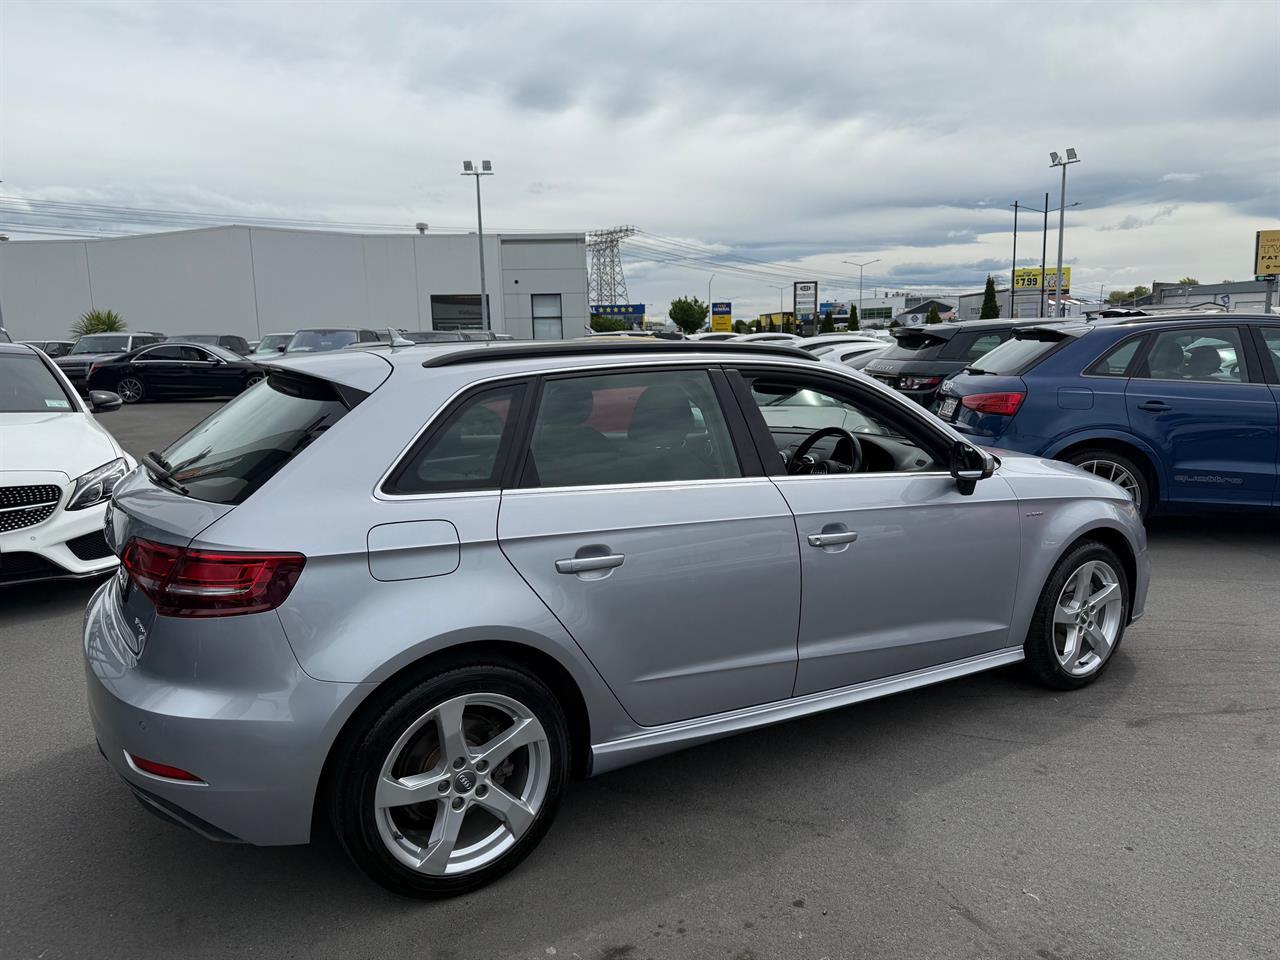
(160, 470)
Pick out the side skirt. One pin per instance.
(655, 741)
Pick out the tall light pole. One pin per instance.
(486, 170)
(860, 266)
(709, 279)
(1013, 270)
(1063, 162)
(1044, 244)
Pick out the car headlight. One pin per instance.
(96, 485)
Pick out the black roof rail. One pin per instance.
(586, 348)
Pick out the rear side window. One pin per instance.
(642, 427)
(1271, 337)
(467, 451)
(983, 344)
(243, 445)
(1014, 356)
(1116, 361)
(1208, 353)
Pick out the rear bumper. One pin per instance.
(258, 743)
(67, 545)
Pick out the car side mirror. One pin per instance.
(969, 465)
(280, 349)
(104, 401)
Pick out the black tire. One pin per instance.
(1040, 646)
(252, 380)
(359, 765)
(1102, 455)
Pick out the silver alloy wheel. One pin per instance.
(1087, 618)
(1117, 474)
(130, 389)
(253, 380)
(483, 796)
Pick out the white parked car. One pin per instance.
(58, 467)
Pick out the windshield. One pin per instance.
(317, 341)
(244, 444)
(271, 341)
(102, 343)
(27, 386)
(784, 408)
(1014, 356)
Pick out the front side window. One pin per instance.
(162, 353)
(27, 386)
(642, 427)
(548, 320)
(1210, 354)
(1116, 361)
(795, 409)
(466, 452)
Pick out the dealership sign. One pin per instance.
(630, 313)
(722, 317)
(805, 301)
(1266, 254)
(1028, 278)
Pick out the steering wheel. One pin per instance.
(846, 444)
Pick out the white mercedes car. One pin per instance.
(58, 467)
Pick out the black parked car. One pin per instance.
(98, 348)
(52, 348)
(175, 370)
(921, 357)
(228, 341)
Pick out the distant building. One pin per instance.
(774, 321)
(916, 314)
(1238, 296)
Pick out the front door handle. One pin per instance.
(1155, 406)
(587, 564)
(832, 539)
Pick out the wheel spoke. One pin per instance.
(1097, 639)
(516, 814)
(453, 742)
(420, 788)
(1071, 647)
(444, 837)
(520, 734)
(1063, 616)
(1109, 592)
(1084, 580)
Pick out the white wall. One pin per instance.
(254, 280)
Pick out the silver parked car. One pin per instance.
(413, 591)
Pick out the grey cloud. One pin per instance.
(1133, 222)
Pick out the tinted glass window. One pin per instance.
(914, 346)
(1271, 337)
(466, 451)
(318, 341)
(244, 444)
(102, 343)
(269, 343)
(161, 353)
(1208, 353)
(644, 427)
(27, 386)
(1117, 361)
(222, 353)
(1013, 356)
(984, 344)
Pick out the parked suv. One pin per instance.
(921, 357)
(1181, 411)
(96, 347)
(52, 348)
(324, 339)
(415, 591)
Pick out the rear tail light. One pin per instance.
(200, 583)
(163, 770)
(919, 383)
(92, 367)
(1000, 404)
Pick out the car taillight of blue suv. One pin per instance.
(1180, 411)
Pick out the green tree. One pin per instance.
(828, 325)
(688, 313)
(740, 326)
(932, 316)
(98, 321)
(990, 306)
(1128, 296)
(755, 326)
(853, 318)
(603, 324)
(1189, 282)
(894, 323)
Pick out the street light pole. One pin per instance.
(1013, 267)
(486, 170)
(1063, 162)
(1044, 251)
(860, 266)
(709, 279)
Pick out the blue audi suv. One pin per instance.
(1181, 411)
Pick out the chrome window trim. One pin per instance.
(927, 420)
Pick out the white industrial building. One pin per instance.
(257, 280)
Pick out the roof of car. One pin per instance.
(7, 347)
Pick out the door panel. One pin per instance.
(699, 614)
(930, 577)
(1216, 432)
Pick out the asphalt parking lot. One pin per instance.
(981, 818)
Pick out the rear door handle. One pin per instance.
(587, 564)
(1154, 405)
(832, 539)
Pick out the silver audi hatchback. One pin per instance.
(411, 592)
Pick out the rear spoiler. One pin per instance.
(1050, 331)
(900, 334)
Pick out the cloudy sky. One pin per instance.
(803, 133)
